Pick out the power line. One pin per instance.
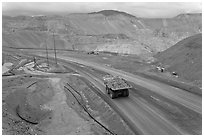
(47, 52)
(55, 49)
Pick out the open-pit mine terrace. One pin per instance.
(70, 98)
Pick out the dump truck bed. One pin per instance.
(116, 83)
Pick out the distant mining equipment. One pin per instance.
(175, 74)
(160, 69)
(93, 52)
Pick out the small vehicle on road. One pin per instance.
(116, 86)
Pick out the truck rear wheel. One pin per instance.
(112, 95)
(126, 93)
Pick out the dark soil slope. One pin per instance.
(185, 58)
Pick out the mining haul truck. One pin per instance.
(116, 86)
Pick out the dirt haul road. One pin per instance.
(152, 107)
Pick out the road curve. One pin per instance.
(144, 112)
(187, 99)
(145, 119)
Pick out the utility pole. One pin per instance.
(55, 49)
(46, 51)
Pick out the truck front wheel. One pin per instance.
(107, 90)
(112, 95)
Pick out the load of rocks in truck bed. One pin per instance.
(116, 83)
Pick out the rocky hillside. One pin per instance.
(107, 30)
(185, 58)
